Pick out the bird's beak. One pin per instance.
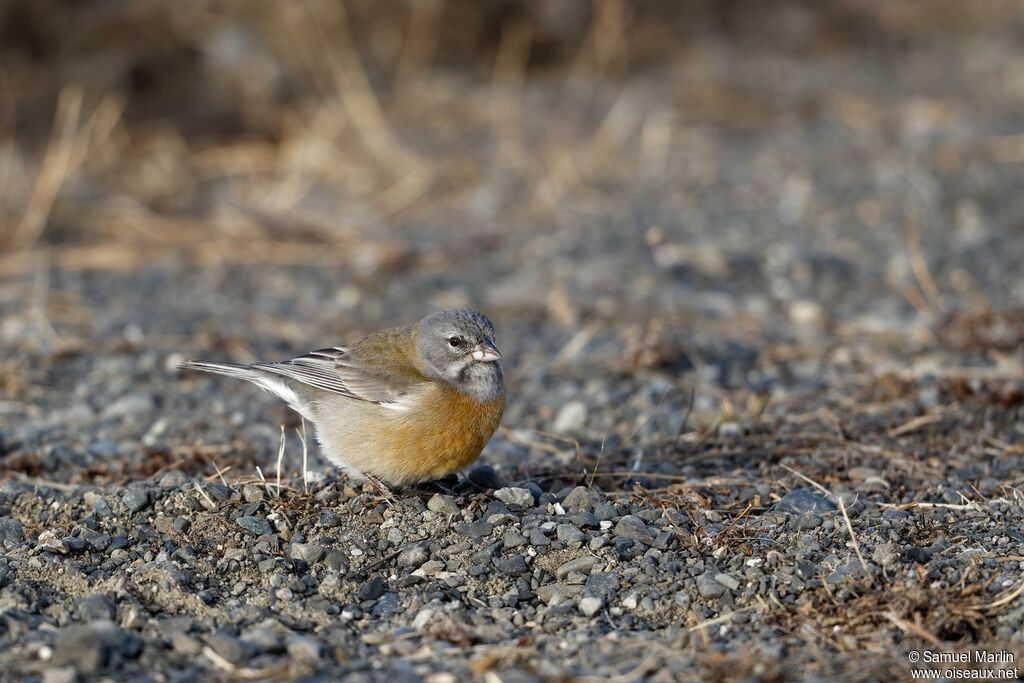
(486, 352)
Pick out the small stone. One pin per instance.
(136, 499)
(442, 504)
(727, 581)
(800, 501)
(95, 647)
(11, 532)
(475, 530)
(601, 584)
(307, 552)
(512, 566)
(372, 589)
(485, 477)
(96, 607)
(918, 555)
(185, 644)
(255, 525)
(555, 593)
(74, 544)
(62, 674)
(635, 529)
(252, 493)
(590, 606)
(571, 417)
(538, 537)
(514, 539)
(708, 585)
(97, 539)
(414, 556)
(580, 564)
(229, 647)
(581, 499)
(570, 535)
(304, 649)
(515, 496)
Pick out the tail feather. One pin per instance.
(264, 380)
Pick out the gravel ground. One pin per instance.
(761, 310)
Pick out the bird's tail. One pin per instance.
(229, 369)
(264, 380)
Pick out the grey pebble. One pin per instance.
(538, 537)
(307, 552)
(590, 606)
(442, 504)
(414, 556)
(568, 534)
(229, 647)
(485, 477)
(136, 499)
(582, 564)
(515, 496)
(635, 529)
(514, 565)
(95, 647)
(255, 525)
(513, 539)
(800, 501)
(475, 530)
(372, 589)
(11, 532)
(602, 584)
(709, 586)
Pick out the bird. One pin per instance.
(402, 406)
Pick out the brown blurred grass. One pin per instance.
(288, 132)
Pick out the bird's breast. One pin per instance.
(442, 431)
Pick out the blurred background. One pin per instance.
(741, 198)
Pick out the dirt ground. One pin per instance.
(756, 271)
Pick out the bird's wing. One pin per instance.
(337, 371)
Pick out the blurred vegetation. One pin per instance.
(173, 124)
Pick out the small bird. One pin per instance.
(402, 406)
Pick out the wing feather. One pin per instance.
(336, 371)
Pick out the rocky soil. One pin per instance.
(760, 296)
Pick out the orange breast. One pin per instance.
(446, 432)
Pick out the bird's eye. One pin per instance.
(454, 342)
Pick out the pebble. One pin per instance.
(514, 539)
(11, 532)
(709, 586)
(590, 606)
(800, 501)
(538, 537)
(229, 647)
(307, 552)
(95, 647)
(136, 499)
(442, 504)
(474, 530)
(413, 556)
(513, 565)
(635, 529)
(570, 535)
(515, 496)
(257, 526)
(571, 417)
(485, 477)
(582, 564)
(602, 584)
(372, 589)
